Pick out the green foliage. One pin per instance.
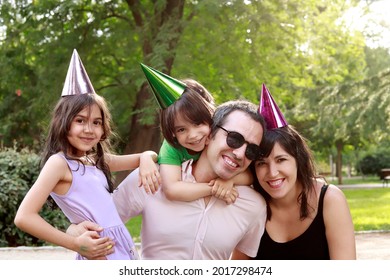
(296, 47)
(378, 60)
(230, 46)
(36, 49)
(372, 164)
(18, 172)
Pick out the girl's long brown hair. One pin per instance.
(62, 116)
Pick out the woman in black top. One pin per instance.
(306, 219)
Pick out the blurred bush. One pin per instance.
(18, 172)
(372, 164)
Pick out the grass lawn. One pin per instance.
(134, 227)
(370, 209)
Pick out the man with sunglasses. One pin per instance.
(206, 228)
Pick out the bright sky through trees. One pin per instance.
(375, 25)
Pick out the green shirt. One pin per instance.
(174, 156)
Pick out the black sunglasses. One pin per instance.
(235, 140)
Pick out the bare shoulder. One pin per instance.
(56, 160)
(334, 199)
(53, 172)
(56, 163)
(332, 189)
(335, 192)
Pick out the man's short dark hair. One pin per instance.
(228, 107)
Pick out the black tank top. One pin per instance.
(310, 245)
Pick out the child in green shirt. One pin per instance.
(185, 120)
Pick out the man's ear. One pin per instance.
(208, 139)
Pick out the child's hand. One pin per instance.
(232, 196)
(88, 241)
(149, 176)
(150, 180)
(222, 189)
(91, 246)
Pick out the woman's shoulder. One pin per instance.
(334, 190)
(334, 196)
(336, 211)
(330, 188)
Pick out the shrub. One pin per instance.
(18, 172)
(372, 164)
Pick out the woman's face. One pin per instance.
(277, 173)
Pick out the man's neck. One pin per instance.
(202, 171)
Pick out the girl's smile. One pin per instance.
(86, 129)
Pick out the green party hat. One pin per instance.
(165, 88)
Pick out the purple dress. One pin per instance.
(89, 199)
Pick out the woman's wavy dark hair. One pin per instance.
(196, 105)
(294, 144)
(62, 116)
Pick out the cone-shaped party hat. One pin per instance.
(270, 111)
(166, 89)
(77, 80)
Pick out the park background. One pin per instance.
(326, 63)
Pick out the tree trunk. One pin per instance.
(148, 137)
(339, 161)
(142, 137)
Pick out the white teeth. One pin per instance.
(231, 163)
(275, 183)
(195, 142)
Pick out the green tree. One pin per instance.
(230, 46)
(378, 60)
(354, 113)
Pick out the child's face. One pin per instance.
(86, 129)
(191, 136)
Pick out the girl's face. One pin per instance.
(191, 136)
(277, 173)
(86, 129)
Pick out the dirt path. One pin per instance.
(369, 246)
(373, 246)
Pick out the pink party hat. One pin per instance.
(77, 80)
(270, 111)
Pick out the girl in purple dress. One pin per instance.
(76, 173)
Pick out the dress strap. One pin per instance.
(321, 200)
(74, 165)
